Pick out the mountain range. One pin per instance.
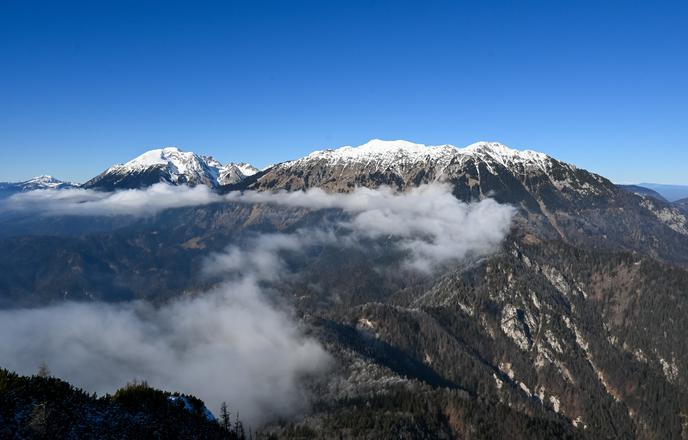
(554, 199)
(574, 328)
(396, 158)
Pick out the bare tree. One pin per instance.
(43, 370)
(225, 417)
(38, 420)
(239, 428)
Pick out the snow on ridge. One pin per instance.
(401, 151)
(505, 155)
(42, 178)
(45, 180)
(211, 161)
(380, 149)
(500, 150)
(161, 156)
(179, 163)
(246, 169)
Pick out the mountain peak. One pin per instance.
(35, 183)
(247, 169)
(45, 181)
(383, 145)
(487, 145)
(402, 164)
(378, 149)
(503, 154)
(160, 156)
(172, 165)
(46, 178)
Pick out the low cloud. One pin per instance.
(428, 221)
(87, 202)
(230, 344)
(261, 256)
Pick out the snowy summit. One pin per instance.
(399, 152)
(170, 165)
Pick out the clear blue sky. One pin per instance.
(83, 85)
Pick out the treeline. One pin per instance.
(423, 414)
(44, 407)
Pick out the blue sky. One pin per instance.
(602, 84)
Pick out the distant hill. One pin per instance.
(682, 204)
(643, 192)
(669, 192)
(39, 182)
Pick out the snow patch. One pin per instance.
(498, 382)
(670, 369)
(247, 169)
(555, 403)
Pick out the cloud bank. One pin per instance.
(428, 221)
(87, 202)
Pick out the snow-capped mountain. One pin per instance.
(170, 165)
(391, 153)
(44, 182)
(402, 164)
(39, 182)
(552, 197)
